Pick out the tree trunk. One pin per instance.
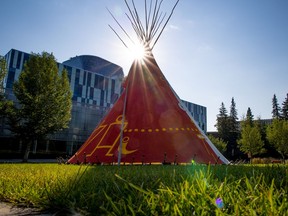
(35, 146)
(27, 151)
(20, 146)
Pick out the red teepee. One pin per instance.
(149, 124)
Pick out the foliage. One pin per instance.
(251, 141)
(233, 116)
(228, 128)
(285, 108)
(147, 190)
(277, 134)
(44, 99)
(249, 117)
(233, 130)
(276, 110)
(3, 71)
(220, 144)
(222, 124)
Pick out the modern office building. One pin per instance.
(95, 84)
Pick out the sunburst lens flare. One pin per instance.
(138, 51)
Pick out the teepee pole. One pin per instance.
(122, 126)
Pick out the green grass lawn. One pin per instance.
(148, 190)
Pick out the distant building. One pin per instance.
(199, 113)
(95, 84)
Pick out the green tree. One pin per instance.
(219, 143)
(44, 100)
(249, 117)
(250, 141)
(233, 129)
(227, 127)
(233, 116)
(4, 104)
(276, 111)
(222, 123)
(3, 71)
(285, 108)
(277, 135)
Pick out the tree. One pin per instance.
(219, 143)
(251, 142)
(227, 127)
(44, 100)
(3, 71)
(277, 135)
(233, 130)
(4, 104)
(222, 124)
(275, 108)
(249, 117)
(285, 108)
(233, 116)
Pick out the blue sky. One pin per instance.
(211, 50)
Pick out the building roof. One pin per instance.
(95, 64)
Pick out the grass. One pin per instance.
(148, 190)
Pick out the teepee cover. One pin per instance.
(148, 123)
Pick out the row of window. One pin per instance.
(87, 87)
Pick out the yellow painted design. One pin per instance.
(103, 131)
(157, 130)
(136, 130)
(163, 129)
(200, 136)
(150, 130)
(124, 146)
(142, 130)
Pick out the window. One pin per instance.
(18, 60)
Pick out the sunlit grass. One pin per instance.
(148, 190)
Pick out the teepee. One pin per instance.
(148, 123)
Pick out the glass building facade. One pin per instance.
(95, 84)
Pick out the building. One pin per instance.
(95, 84)
(199, 113)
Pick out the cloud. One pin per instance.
(174, 27)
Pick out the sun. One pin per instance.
(138, 51)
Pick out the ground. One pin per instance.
(7, 209)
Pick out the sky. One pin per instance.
(210, 51)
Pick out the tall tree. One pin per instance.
(233, 116)
(249, 117)
(44, 99)
(285, 108)
(276, 111)
(4, 104)
(251, 142)
(277, 135)
(3, 71)
(233, 133)
(222, 123)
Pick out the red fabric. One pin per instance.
(156, 128)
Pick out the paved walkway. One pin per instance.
(7, 209)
